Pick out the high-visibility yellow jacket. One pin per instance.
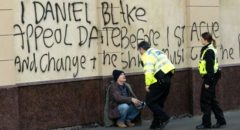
(153, 61)
(202, 63)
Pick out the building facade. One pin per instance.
(56, 56)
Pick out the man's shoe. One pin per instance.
(201, 126)
(219, 125)
(129, 123)
(121, 124)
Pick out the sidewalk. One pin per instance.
(232, 118)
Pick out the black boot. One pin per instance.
(201, 126)
(164, 122)
(155, 124)
(219, 125)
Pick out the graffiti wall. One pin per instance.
(59, 39)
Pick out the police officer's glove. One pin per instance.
(206, 86)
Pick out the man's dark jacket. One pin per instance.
(113, 99)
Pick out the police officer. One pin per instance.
(209, 70)
(158, 71)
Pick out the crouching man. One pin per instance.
(123, 105)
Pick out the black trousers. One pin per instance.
(209, 104)
(156, 98)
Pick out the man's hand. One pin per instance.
(147, 88)
(136, 102)
(206, 86)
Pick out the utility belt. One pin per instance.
(163, 78)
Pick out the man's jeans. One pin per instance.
(127, 112)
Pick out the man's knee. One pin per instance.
(123, 107)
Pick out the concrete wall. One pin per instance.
(54, 69)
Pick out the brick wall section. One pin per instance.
(9, 112)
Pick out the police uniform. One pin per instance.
(158, 71)
(209, 70)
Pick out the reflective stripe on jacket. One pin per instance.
(155, 60)
(202, 63)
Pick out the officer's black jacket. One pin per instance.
(209, 57)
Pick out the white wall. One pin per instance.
(7, 70)
(230, 31)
